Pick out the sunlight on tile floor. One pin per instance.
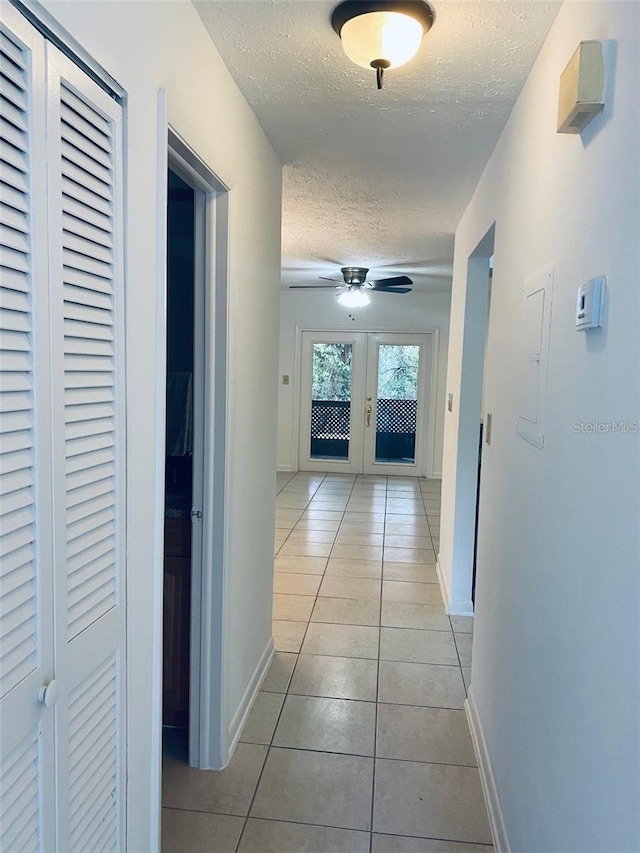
(358, 741)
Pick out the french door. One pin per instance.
(364, 402)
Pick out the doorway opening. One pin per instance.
(485, 429)
(178, 456)
(475, 430)
(197, 228)
(364, 402)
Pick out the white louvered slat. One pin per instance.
(14, 382)
(90, 167)
(15, 161)
(86, 228)
(12, 218)
(61, 421)
(14, 239)
(80, 324)
(20, 797)
(93, 758)
(89, 395)
(26, 629)
(87, 379)
(13, 282)
(85, 525)
(86, 476)
(82, 130)
(80, 176)
(98, 455)
(71, 102)
(15, 567)
(87, 176)
(12, 93)
(13, 112)
(82, 512)
(14, 62)
(87, 421)
(82, 263)
(14, 401)
(83, 447)
(13, 135)
(19, 640)
(84, 246)
(16, 481)
(75, 208)
(76, 194)
(75, 138)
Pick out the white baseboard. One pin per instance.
(240, 716)
(460, 608)
(444, 589)
(453, 608)
(487, 779)
(285, 469)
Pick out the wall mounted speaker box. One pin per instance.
(581, 88)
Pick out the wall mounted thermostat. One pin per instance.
(589, 304)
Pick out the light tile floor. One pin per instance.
(358, 741)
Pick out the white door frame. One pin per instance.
(434, 333)
(208, 726)
(460, 468)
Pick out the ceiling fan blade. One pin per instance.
(313, 286)
(393, 289)
(396, 281)
(325, 278)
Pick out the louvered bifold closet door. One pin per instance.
(85, 224)
(26, 625)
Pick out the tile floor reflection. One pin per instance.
(358, 741)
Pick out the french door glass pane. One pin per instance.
(397, 403)
(331, 400)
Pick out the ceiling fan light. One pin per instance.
(392, 37)
(354, 298)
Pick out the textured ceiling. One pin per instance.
(377, 178)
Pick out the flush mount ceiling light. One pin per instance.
(354, 298)
(381, 34)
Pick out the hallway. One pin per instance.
(359, 724)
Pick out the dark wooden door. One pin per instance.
(177, 621)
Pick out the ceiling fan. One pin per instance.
(354, 286)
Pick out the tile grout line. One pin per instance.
(317, 595)
(355, 480)
(270, 744)
(379, 626)
(266, 756)
(288, 684)
(375, 730)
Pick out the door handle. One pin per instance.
(48, 694)
(368, 413)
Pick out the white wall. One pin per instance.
(412, 312)
(145, 47)
(555, 658)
